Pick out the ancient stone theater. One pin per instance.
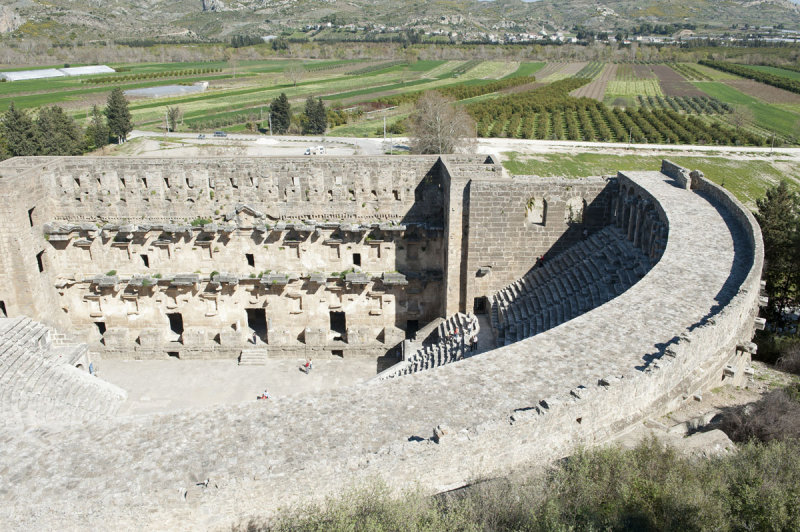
(605, 301)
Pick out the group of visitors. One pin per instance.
(470, 337)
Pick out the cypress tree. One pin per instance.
(779, 219)
(281, 113)
(97, 130)
(309, 117)
(315, 121)
(20, 133)
(118, 115)
(58, 133)
(322, 117)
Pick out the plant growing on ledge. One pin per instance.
(110, 273)
(157, 276)
(197, 222)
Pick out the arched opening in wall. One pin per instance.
(257, 321)
(537, 211)
(80, 367)
(573, 211)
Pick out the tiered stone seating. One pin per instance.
(38, 383)
(583, 277)
(452, 344)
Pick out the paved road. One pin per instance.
(372, 146)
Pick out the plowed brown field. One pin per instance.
(597, 88)
(673, 84)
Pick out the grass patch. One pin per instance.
(746, 179)
(527, 69)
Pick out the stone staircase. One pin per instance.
(583, 277)
(450, 345)
(253, 357)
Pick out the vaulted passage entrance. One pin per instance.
(257, 321)
(338, 325)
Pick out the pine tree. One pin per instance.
(779, 219)
(20, 133)
(281, 114)
(118, 115)
(58, 133)
(97, 131)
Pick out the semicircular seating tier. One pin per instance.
(41, 382)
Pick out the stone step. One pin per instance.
(253, 357)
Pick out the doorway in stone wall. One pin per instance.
(257, 321)
(338, 325)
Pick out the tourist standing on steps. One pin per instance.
(473, 343)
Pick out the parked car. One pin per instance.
(220, 134)
(201, 136)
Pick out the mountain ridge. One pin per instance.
(219, 19)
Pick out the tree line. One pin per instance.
(52, 132)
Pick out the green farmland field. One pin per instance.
(767, 116)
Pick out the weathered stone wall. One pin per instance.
(515, 221)
(346, 188)
(116, 235)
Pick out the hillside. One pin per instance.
(80, 20)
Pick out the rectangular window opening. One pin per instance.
(101, 327)
(39, 261)
(174, 354)
(412, 326)
(356, 259)
(338, 353)
(251, 260)
(145, 260)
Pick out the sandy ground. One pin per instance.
(169, 385)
